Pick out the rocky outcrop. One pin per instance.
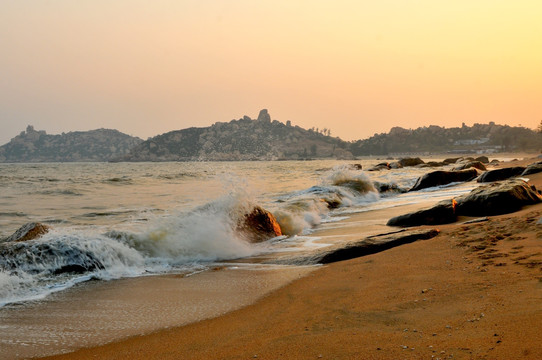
(532, 169)
(492, 199)
(242, 139)
(29, 231)
(482, 159)
(501, 174)
(95, 145)
(441, 177)
(259, 225)
(367, 246)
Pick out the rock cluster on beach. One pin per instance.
(493, 199)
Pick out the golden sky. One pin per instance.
(356, 67)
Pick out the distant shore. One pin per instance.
(473, 292)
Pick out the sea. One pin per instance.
(146, 221)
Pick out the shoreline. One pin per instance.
(473, 292)
(448, 302)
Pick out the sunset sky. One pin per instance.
(356, 67)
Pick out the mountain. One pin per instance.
(95, 145)
(435, 139)
(243, 139)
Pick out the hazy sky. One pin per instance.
(357, 67)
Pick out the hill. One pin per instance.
(242, 139)
(435, 139)
(95, 145)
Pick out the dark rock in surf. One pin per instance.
(29, 231)
(532, 169)
(441, 177)
(501, 174)
(356, 166)
(442, 213)
(367, 246)
(492, 199)
(385, 187)
(381, 166)
(407, 162)
(259, 225)
(450, 161)
(482, 159)
(471, 164)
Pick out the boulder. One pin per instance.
(385, 187)
(482, 159)
(493, 199)
(441, 177)
(442, 213)
(395, 165)
(356, 166)
(259, 225)
(411, 162)
(381, 166)
(470, 164)
(501, 174)
(450, 161)
(435, 164)
(497, 198)
(29, 231)
(532, 169)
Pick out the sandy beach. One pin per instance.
(472, 292)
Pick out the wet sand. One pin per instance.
(473, 292)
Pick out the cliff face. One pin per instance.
(243, 139)
(95, 145)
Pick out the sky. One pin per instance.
(355, 67)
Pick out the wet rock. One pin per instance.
(492, 199)
(395, 165)
(482, 159)
(441, 177)
(381, 166)
(367, 246)
(356, 166)
(259, 225)
(434, 164)
(450, 161)
(442, 213)
(498, 198)
(532, 169)
(470, 164)
(501, 174)
(385, 187)
(29, 231)
(411, 162)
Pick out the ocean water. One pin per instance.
(117, 220)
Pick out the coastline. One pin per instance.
(441, 298)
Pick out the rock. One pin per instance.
(494, 162)
(381, 166)
(493, 199)
(532, 169)
(385, 187)
(356, 166)
(442, 213)
(450, 161)
(395, 165)
(411, 162)
(482, 159)
(441, 177)
(470, 164)
(367, 246)
(259, 225)
(501, 174)
(435, 164)
(29, 231)
(264, 116)
(497, 198)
